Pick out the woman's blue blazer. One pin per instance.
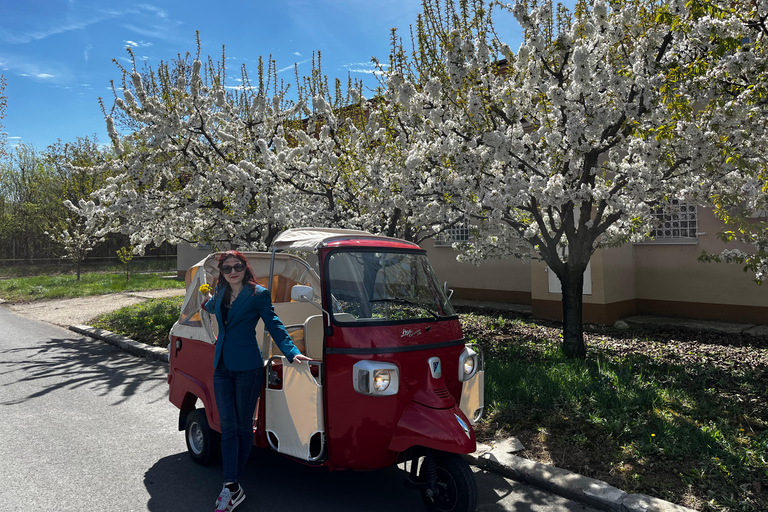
(236, 343)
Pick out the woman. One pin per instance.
(239, 302)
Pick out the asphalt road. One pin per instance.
(84, 426)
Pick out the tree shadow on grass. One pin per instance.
(72, 363)
(657, 419)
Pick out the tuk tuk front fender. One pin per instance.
(447, 430)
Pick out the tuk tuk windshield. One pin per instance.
(380, 286)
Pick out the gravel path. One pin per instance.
(81, 310)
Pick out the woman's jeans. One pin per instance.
(236, 396)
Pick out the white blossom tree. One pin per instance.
(601, 116)
(234, 166)
(192, 170)
(79, 238)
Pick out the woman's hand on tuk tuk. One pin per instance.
(298, 358)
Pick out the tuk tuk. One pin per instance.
(392, 379)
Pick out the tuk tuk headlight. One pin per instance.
(375, 378)
(381, 379)
(469, 364)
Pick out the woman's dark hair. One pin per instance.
(248, 277)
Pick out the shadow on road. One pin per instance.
(71, 363)
(274, 482)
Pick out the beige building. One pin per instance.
(663, 277)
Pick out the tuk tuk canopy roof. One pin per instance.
(310, 239)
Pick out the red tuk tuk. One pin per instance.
(392, 379)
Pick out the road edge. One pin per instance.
(123, 342)
(498, 458)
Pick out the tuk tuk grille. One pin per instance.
(442, 392)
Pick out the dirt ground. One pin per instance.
(79, 311)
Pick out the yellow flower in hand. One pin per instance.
(206, 288)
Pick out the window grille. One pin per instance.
(458, 233)
(675, 220)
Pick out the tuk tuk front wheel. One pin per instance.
(202, 441)
(455, 488)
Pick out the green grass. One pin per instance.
(677, 415)
(148, 322)
(23, 289)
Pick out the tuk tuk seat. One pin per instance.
(294, 315)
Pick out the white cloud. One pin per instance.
(297, 54)
(366, 71)
(38, 75)
(36, 35)
(292, 66)
(367, 68)
(134, 44)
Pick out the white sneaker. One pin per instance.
(227, 500)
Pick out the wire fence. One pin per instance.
(12, 262)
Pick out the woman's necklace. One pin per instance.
(233, 295)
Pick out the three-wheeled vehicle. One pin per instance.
(392, 379)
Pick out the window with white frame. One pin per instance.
(457, 233)
(675, 220)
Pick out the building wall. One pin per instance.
(670, 280)
(647, 278)
(187, 255)
(505, 280)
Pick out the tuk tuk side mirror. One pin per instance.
(448, 292)
(303, 293)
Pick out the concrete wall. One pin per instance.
(187, 255)
(507, 280)
(670, 281)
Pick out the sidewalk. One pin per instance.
(498, 457)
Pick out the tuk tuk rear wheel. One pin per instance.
(455, 486)
(202, 441)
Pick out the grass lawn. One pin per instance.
(672, 413)
(23, 289)
(148, 322)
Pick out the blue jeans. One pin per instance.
(236, 396)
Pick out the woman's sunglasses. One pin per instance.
(228, 268)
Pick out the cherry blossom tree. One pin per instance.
(569, 143)
(232, 166)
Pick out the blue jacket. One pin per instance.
(236, 342)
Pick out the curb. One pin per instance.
(497, 457)
(134, 347)
(591, 492)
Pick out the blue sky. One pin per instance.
(57, 55)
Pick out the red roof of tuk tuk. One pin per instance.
(310, 239)
(389, 243)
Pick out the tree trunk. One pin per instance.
(573, 327)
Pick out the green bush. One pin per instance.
(148, 322)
